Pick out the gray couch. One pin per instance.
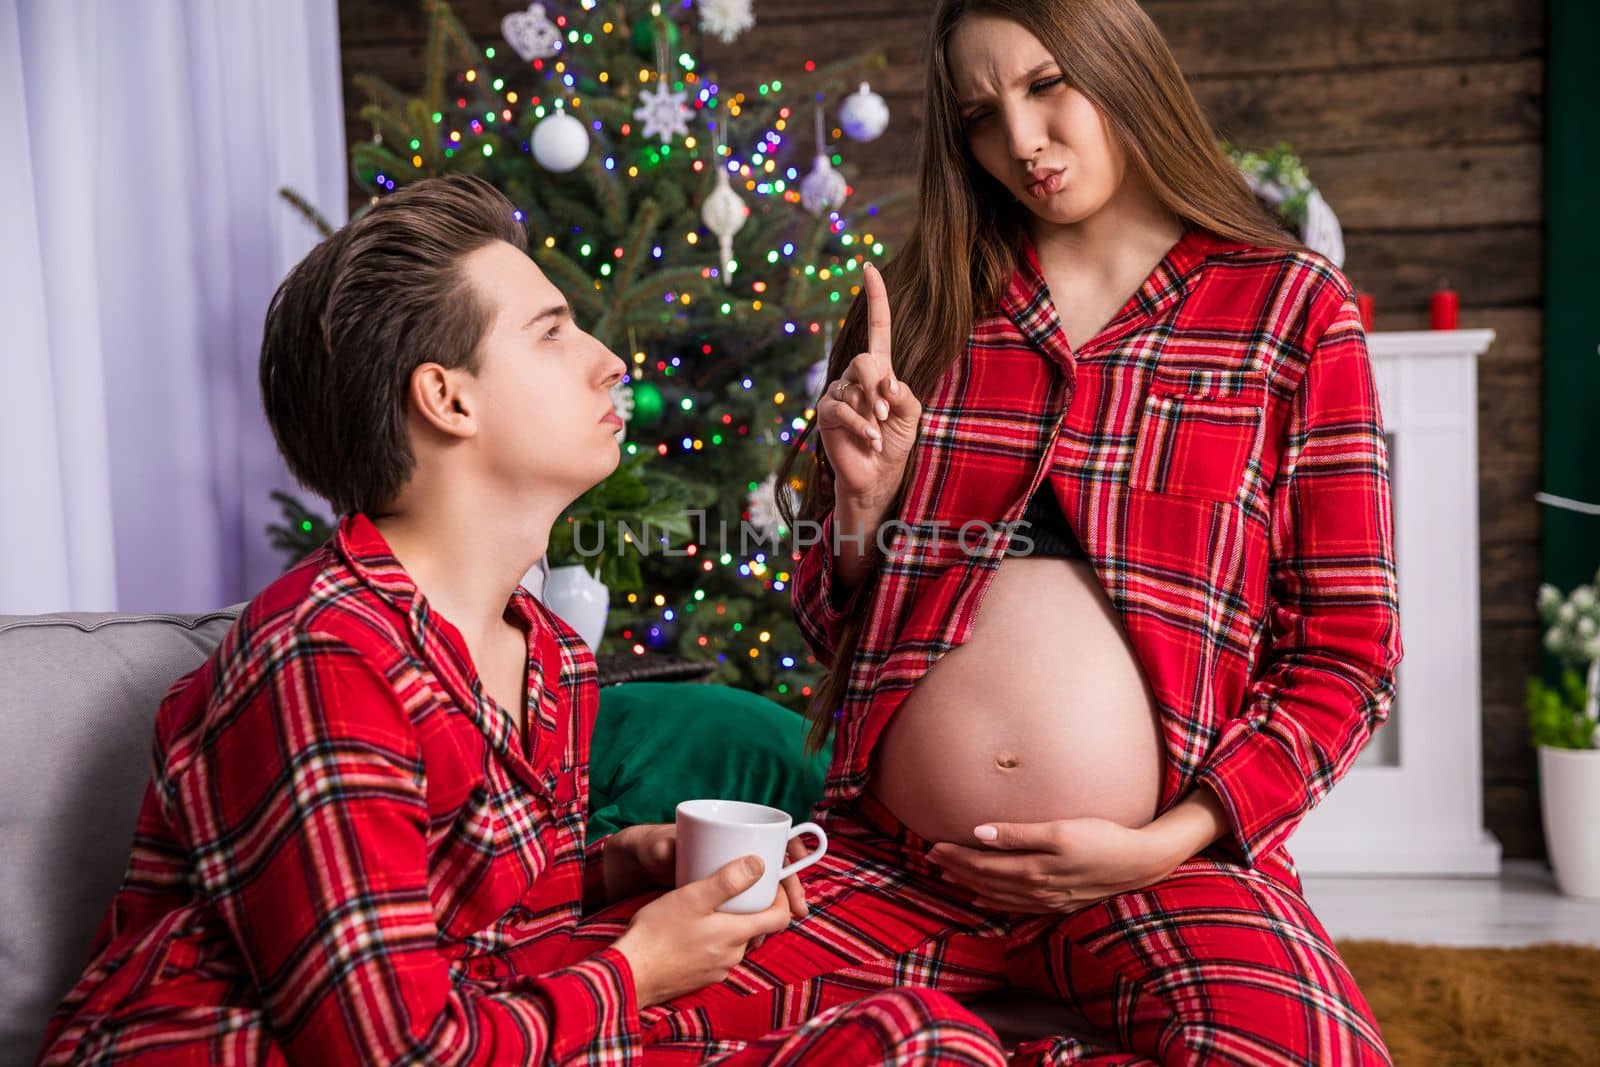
(78, 695)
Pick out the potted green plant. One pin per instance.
(1279, 180)
(596, 544)
(1564, 721)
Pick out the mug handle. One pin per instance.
(805, 861)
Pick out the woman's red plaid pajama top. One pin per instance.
(1218, 449)
(348, 855)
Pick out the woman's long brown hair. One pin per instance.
(963, 246)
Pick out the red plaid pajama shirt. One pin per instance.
(1219, 450)
(348, 854)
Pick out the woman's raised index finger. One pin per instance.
(878, 328)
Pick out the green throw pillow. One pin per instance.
(656, 743)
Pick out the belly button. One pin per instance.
(1006, 762)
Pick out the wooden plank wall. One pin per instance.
(1423, 125)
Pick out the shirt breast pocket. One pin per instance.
(1197, 431)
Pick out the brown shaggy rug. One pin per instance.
(1462, 1006)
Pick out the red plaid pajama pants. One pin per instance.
(898, 1026)
(1216, 963)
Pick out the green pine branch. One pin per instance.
(573, 281)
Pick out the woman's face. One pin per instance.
(1023, 122)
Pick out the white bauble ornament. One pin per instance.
(817, 380)
(824, 188)
(724, 214)
(665, 113)
(560, 143)
(622, 404)
(765, 518)
(726, 18)
(531, 34)
(864, 115)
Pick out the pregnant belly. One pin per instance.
(1043, 713)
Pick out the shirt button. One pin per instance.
(480, 968)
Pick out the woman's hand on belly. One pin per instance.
(1055, 867)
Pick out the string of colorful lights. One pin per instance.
(477, 125)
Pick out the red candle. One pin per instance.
(1364, 305)
(1444, 309)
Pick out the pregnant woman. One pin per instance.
(1104, 578)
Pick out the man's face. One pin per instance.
(543, 388)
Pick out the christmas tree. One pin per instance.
(704, 233)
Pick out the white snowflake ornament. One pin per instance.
(765, 518)
(824, 189)
(531, 34)
(665, 113)
(726, 18)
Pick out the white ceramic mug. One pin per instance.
(714, 833)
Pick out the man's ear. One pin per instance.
(443, 400)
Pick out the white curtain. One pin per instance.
(141, 237)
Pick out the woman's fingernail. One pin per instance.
(894, 386)
(882, 408)
(986, 833)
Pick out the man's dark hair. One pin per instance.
(354, 319)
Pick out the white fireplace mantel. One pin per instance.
(1413, 802)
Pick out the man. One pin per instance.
(363, 841)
